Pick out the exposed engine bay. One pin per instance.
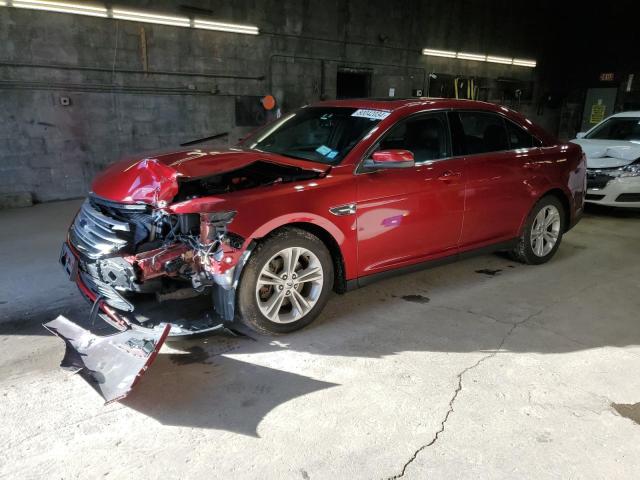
(253, 175)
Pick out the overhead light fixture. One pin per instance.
(97, 10)
(524, 62)
(137, 16)
(439, 53)
(471, 56)
(520, 62)
(62, 7)
(503, 60)
(225, 27)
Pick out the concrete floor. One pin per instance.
(520, 371)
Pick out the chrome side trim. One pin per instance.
(342, 210)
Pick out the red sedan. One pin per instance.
(329, 197)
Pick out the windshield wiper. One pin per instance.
(281, 153)
(200, 140)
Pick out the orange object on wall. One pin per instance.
(268, 102)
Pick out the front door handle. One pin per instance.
(449, 175)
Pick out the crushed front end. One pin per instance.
(149, 274)
(154, 252)
(124, 255)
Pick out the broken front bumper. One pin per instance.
(112, 364)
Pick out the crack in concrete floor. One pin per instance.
(458, 389)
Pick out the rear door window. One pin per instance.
(481, 132)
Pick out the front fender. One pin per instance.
(300, 217)
(343, 232)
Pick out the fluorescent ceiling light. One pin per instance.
(137, 16)
(62, 7)
(471, 56)
(225, 27)
(439, 53)
(130, 15)
(524, 62)
(504, 60)
(521, 62)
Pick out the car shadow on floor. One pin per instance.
(221, 393)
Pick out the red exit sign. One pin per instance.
(607, 77)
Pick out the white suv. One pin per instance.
(612, 148)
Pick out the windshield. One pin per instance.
(618, 128)
(323, 135)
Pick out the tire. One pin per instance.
(257, 305)
(528, 250)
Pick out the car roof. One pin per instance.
(429, 103)
(627, 114)
(392, 103)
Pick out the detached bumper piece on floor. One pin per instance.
(111, 364)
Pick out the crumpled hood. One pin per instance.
(154, 179)
(608, 153)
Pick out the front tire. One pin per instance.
(542, 233)
(286, 282)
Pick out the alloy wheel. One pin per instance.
(289, 285)
(545, 230)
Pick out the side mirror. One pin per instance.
(383, 159)
(581, 134)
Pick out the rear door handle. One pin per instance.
(449, 175)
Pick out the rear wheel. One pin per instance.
(542, 232)
(286, 282)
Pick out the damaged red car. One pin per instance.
(327, 198)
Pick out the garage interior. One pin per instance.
(485, 368)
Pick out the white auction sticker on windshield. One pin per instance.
(371, 114)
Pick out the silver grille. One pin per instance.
(96, 235)
(107, 292)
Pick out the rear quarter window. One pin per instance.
(519, 138)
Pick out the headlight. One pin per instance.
(632, 170)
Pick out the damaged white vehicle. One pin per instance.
(613, 161)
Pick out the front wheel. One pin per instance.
(542, 233)
(286, 282)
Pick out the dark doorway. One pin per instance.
(353, 84)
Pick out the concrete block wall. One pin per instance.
(51, 150)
